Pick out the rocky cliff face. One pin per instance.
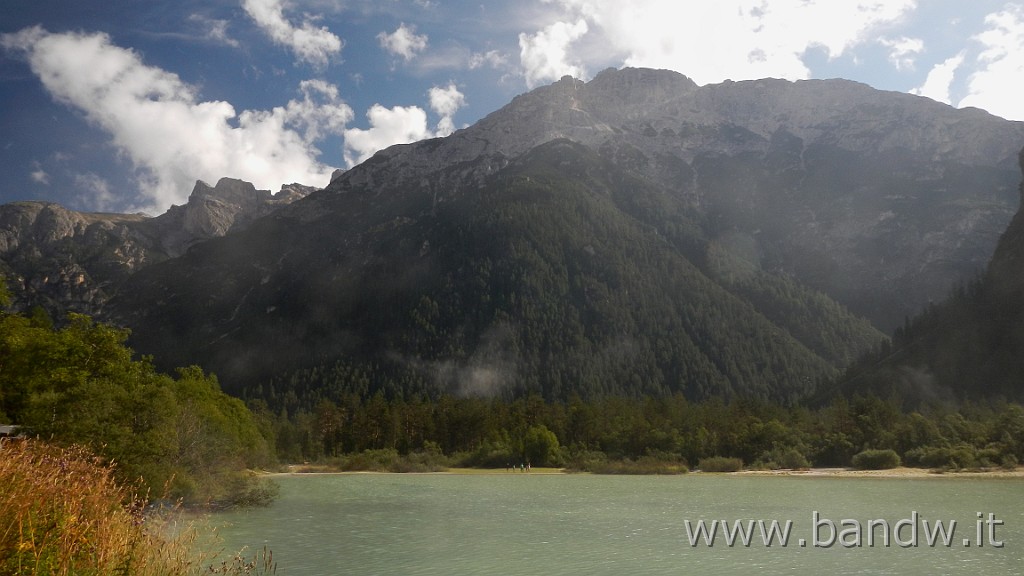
(212, 212)
(72, 261)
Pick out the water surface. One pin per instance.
(513, 524)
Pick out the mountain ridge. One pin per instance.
(805, 205)
(903, 155)
(64, 260)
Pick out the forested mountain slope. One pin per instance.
(547, 276)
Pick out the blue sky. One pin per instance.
(119, 105)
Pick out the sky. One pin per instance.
(121, 105)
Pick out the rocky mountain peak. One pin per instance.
(68, 260)
(230, 191)
(214, 211)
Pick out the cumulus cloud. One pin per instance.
(491, 58)
(939, 82)
(445, 102)
(402, 124)
(320, 112)
(403, 42)
(714, 40)
(1000, 65)
(156, 120)
(545, 54)
(311, 44)
(903, 51)
(388, 126)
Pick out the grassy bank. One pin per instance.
(63, 513)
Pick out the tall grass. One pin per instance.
(62, 513)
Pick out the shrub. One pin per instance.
(779, 458)
(1008, 462)
(876, 459)
(955, 457)
(65, 514)
(720, 464)
(582, 460)
(489, 454)
(370, 460)
(642, 465)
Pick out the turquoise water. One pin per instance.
(514, 524)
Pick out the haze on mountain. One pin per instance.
(636, 234)
(963, 348)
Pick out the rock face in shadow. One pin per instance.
(65, 260)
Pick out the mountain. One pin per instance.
(536, 277)
(819, 179)
(632, 234)
(965, 347)
(65, 260)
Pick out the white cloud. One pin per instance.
(491, 58)
(715, 40)
(398, 125)
(402, 124)
(173, 139)
(320, 112)
(938, 84)
(445, 102)
(97, 192)
(310, 44)
(545, 54)
(403, 42)
(903, 51)
(39, 176)
(1000, 65)
(215, 30)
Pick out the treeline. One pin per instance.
(172, 436)
(590, 434)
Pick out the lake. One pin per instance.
(520, 523)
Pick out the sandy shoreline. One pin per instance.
(901, 472)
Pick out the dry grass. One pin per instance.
(62, 514)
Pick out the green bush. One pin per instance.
(489, 454)
(1009, 462)
(540, 446)
(956, 457)
(876, 459)
(370, 460)
(780, 458)
(720, 464)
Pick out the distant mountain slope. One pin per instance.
(970, 346)
(535, 278)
